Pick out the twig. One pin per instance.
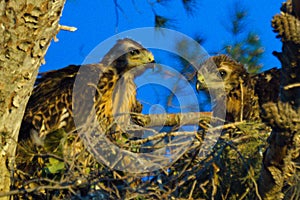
(160, 136)
(39, 188)
(256, 187)
(242, 99)
(192, 190)
(67, 28)
(117, 14)
(226, 126)
(135, 7)
(117, 9)
(251, 176)
(215, 180)
(290, 86)
(177, 119)
(243, 196)
(183, 133)
(49, 155)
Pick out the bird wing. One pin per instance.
(50, 106)
(267, 85)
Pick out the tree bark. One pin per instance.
(26, 29)
(276, 179)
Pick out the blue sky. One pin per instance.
(96, 21)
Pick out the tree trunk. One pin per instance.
(278, 170)
(26, 29)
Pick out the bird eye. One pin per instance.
(134, 52)
(223, 73)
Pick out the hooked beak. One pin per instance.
(200, 84)
(151, 65)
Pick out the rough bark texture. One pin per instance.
(278, 176)
(279, 171)
(26, 29)
(287, 25)
(228, 172)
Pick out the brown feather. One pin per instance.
(50, 106)
(244, 94)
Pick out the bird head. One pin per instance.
(127, 54)
(219, 70)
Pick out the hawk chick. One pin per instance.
(243, 93)
(50, 106)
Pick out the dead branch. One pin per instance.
(176, 119)
(67, 28)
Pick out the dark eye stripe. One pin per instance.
(134, 52)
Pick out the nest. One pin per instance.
(62, 168)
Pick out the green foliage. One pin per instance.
(190, 6)
(189, 51)
(229, 170)
(245, 45)
(54, 142)
(161, 21)
(54, 166)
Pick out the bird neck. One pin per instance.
(103, 99)
(115, 99)
(242, 103)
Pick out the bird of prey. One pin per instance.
(243, 94)
(50, 106)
